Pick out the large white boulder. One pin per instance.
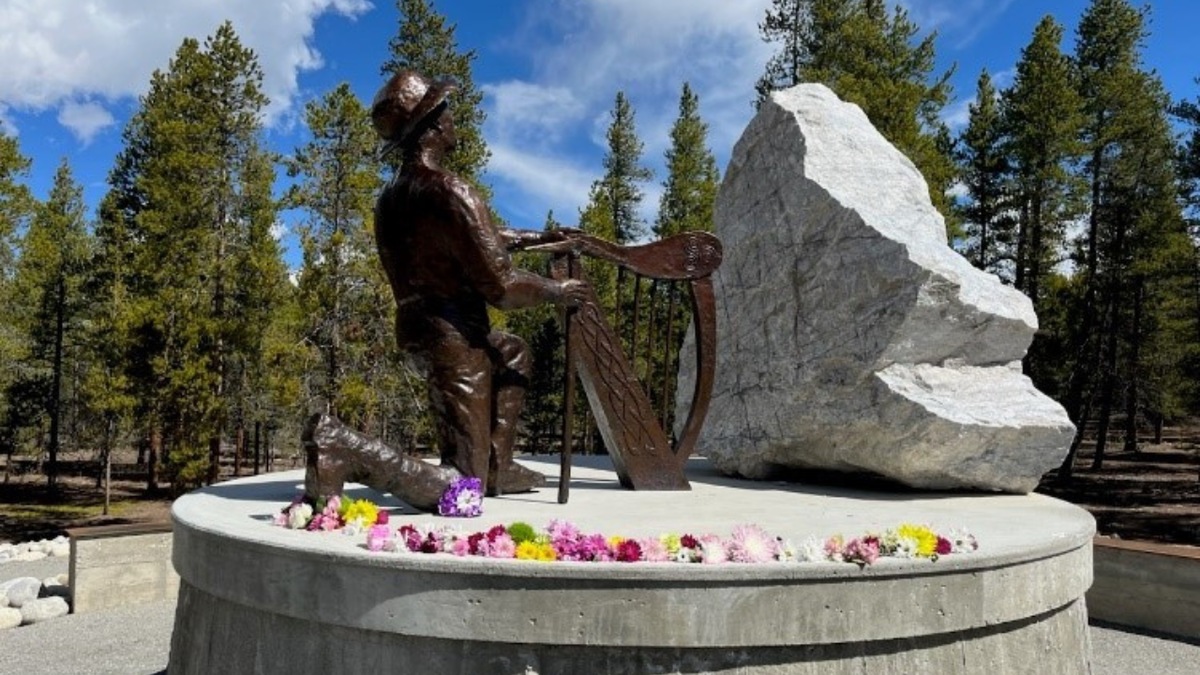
(851, 336)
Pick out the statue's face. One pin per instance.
(445, 126)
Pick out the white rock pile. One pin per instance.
(29, 600)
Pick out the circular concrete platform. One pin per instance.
(261, 599)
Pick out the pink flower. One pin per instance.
(378, 537)
(592, 547)
(410, 536)
(864, 551)
(562, 530)
(461, 546)
(751, 544)
(280, 519)
(712, 550)
(653, 550)
(502, 546)
(833, 548)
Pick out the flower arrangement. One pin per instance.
(563, 541)
(463, 498)
(330, 513)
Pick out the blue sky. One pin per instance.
(549, 69)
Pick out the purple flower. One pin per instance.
(463, 498)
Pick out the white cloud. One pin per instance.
(526, 110)
(279, 230)
(55, 51)
(957, 115)
(582, 52)
(960, 21)
(7, 126)
(546, 182)
(85, 120)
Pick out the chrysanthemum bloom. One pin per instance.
(361, 511)
(299, 516)
(377, 537)
(502, 546)
(834, 548)
(628, 551)
(593, 548)
(672, 543)
(864, 551)
(562, 530)
(713, 550)
(653, 550)
(751, 544)
(944, 547)
(463, 498)
(527, 550)
(924, 540)
(812, 549)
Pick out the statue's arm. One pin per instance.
(483, 253)
(520, 239)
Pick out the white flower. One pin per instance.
(812, 549)
(962, 541)
(788, 552)
(906, 547)
(300, 515)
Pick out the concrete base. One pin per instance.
(119, 565)
(259, 599)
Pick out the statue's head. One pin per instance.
(408, 105)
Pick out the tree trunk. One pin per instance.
(239, 448)
(60, 301)
(1131, 368)
(1109, 383)
(257, 456)
(153, 449)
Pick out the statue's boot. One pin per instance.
(505, 476)
(337, 454)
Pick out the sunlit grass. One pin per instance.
(59, 512)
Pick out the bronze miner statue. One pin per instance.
(446, 262)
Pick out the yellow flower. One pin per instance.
(925, 538)
(361, 510)
(671, 542)
(546, 553)
(528, 550)
(615, 541)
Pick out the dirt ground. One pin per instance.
(1152, 495)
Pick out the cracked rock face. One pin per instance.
(850, 336)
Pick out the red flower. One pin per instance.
(688, 541)
(495, 532)
(943, 546)
(382, 518)
(629, 551)
(473, 542)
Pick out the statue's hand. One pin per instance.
(573, 292)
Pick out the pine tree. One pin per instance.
(1134, 233)
(1041, 114)
(870, 57)
(617, 195)
(341, 284)
(692, 177)
(987, 215)
(16, 204)
(49, 283)
(192, 189)
(424, 43)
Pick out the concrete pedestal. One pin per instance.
(260, 599)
